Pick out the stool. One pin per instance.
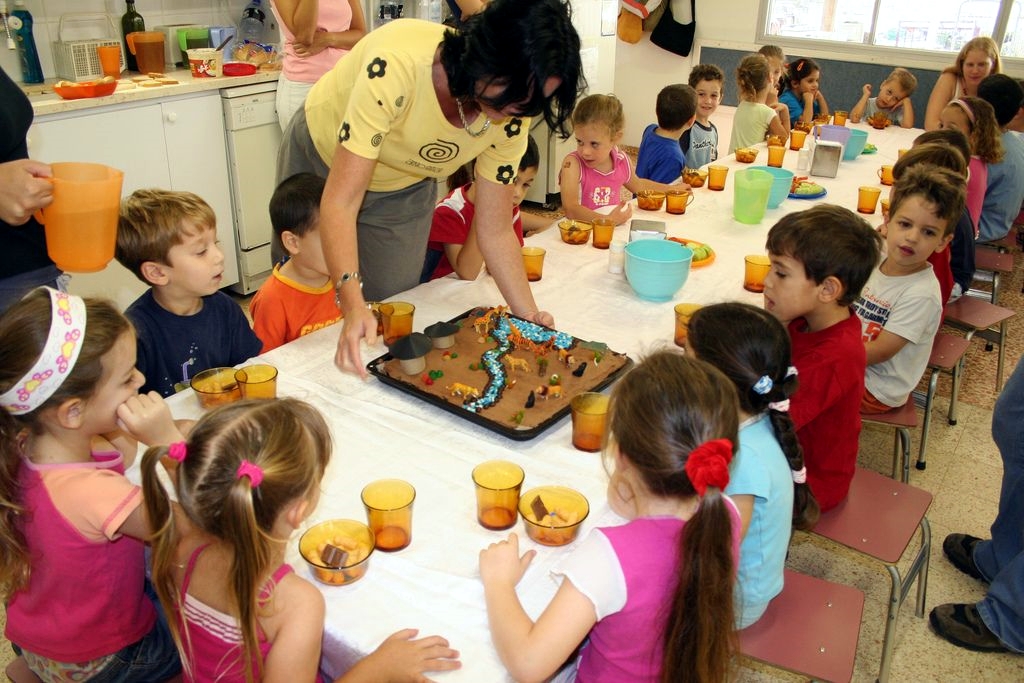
(947, 356)
(981, 318)
(994, 263)
(811, 627)
(879, 518)
(903, 419)
(18, 672)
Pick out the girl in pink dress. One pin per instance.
(593, 176)
(975, 118)
(635, 596)
(246, 478)
(72, 527)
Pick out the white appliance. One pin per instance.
(595, 22)
(253, 137)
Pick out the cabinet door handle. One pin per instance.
(171, 117)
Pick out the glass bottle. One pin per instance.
(131, 22)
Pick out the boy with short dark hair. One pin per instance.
(1004, 193)
(184, 325)
(901, 306)
(821, 259)
(298, 298)
(700, 142)
(661, 159)
(893, 99)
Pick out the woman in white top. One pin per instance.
(316, 34)
(978, 58)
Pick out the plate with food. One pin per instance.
(870, 149)
(803, 188)
(70, 90)
(703, 255)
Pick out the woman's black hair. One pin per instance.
(519, 44)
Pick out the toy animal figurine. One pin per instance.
(463, 390)
(516, 363)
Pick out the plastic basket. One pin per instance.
(76, 60)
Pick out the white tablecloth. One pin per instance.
(433, 585)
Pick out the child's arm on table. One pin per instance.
(569, 188)
(819, 98)
(465, 259)
(862, 103)
(400, 658)
(637, 184)
(533, 223)
(530, 651)
(908, 113)
(777, 127)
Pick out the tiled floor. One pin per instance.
(963, 474)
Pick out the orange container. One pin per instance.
(148, 48)
(81, 223)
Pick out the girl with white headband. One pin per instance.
(768, 482)
(72, 572)
(975, 118)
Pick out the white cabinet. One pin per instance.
(175, 144)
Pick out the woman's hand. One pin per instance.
(359, 324)
(321, 41)
(501, 565)
(24, 188)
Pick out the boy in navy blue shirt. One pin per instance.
(661, 159)
(184, 325)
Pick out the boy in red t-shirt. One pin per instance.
(452, 246)
(821, 258)
(298, 298)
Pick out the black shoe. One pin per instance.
(962, 625)
(959, 548)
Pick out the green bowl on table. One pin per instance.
(855, 145)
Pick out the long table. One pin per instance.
(379, 432)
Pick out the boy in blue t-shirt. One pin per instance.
(184, 325)
(700, 142)
(661, 159)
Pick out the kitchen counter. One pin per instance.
(51, 103)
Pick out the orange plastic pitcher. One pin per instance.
(148, 48)
(81, 223)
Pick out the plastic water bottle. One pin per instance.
(31, 70)
(434, 11)
(253, 24)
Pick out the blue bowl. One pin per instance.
(657, 269)
(782, 182)
(855, 145)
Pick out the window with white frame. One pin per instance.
(943, 25)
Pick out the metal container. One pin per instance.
(826, 158)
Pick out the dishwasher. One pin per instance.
(253, 137)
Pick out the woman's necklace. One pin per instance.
(465, 124)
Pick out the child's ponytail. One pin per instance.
(699, 637)
(805, 505)
(752, 348)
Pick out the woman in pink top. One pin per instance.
(316, 34)
(246, 478)
(648, 610)
(72, 528)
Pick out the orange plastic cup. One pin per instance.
(755, 270)
(885, 175)
(604, 230)
(110, 60)
(396, 320)
(677, 201)
(797, 139)
(776, 153)
(839, 117)
(388, 504)
(716, 177)
(867, 197)
(81, 223)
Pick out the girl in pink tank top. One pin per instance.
(246, 478)
(72, 530)
(624, 590)
(593, 176)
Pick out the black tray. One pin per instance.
(518, 433)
